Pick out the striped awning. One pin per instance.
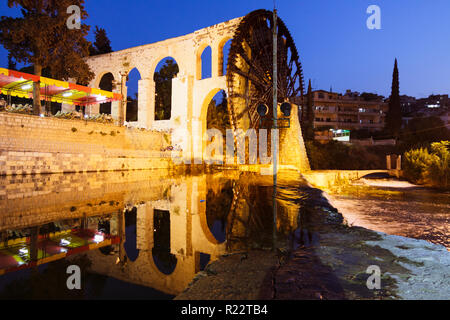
(20, 84)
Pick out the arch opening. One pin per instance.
(106, 83)
(217, 117)
(204, 62)
(217, 113)
(130, 244)
(104, 225)
(133, 95)
(224, 50)
(166, 70)
(164, 260)
(218, 205)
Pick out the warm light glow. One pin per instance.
(27, 87)
(67, 94)
(98, 238)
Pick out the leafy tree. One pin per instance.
(163, 88)
(394, 115)
(415, 163)
(42, 38)
(102, 43)
(132, 108)
(432, 168)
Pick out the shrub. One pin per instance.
(438, 172)
(415, 163)
(433, 168)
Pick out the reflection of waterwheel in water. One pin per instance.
(250, 217)
(250, 68)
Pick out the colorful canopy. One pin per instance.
(20, 84)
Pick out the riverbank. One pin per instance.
(327, 259)
(395, 207)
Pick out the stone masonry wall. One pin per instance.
(34, 145)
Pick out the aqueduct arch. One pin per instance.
(188, 90)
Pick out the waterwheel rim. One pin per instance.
(250, 69)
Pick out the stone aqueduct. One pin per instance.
(190, 93)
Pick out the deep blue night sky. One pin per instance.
(335, 46)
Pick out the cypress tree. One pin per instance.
(394, 115)
(11, 63)
(102, 43)
(308, 115)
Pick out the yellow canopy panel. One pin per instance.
(20, 84)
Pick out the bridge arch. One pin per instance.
(134, 76)
(106, 83)
(204, 109)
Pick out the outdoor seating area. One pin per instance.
(18, 84)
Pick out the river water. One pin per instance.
(396, 207)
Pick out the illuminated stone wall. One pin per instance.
(190, 94)
(33, 145)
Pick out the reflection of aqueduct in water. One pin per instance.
(115, 194)
(190, 230)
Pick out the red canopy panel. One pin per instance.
(20, 84)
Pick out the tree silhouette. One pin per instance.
(42, 38)
(102, 43)
(394, 115)
(308, 115)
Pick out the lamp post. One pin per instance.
(263, 110)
